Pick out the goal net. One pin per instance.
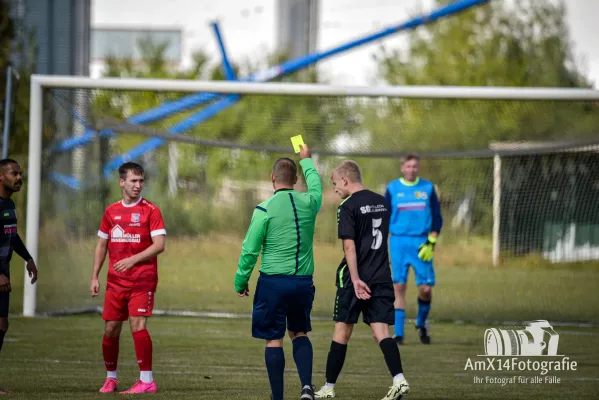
(516, 170)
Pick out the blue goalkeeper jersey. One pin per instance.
(415, 209)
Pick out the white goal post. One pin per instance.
(41, 82)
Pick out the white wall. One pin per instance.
(247, 31)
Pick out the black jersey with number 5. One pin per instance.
(364, 217)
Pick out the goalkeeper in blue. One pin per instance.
(416, 222)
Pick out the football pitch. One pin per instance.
(216, 358)
(197, 275)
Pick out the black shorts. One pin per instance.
(4, 300)
(379, 308)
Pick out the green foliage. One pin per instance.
(6, 36)
(25, 52)
(525, 44)
(254, 120)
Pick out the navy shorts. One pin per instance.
(4, 301)
(282, 302)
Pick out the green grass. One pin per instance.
(197, 274)
(60, 357)
(208, 358)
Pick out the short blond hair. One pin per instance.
(350, 170)
(410, 157)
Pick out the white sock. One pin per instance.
(111, 374)
(146, 376)
(329, 384)
(398, 378)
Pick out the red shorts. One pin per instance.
(119, 306)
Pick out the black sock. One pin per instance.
(335, 361)
(2, 333)
(275, 365)
(303, 357)
(392, 357)
(424, 307)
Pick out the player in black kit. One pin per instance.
(10, 182)
(363, 280)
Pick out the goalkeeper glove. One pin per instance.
(425, 251)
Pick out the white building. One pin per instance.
(186, 24)
(297, 26)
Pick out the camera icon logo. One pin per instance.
(537, 339)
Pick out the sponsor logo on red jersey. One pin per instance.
(129, 231)
(118, 235)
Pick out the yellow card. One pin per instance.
(297, 141)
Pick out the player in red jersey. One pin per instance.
(133, 234)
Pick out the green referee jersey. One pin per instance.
(282, 228)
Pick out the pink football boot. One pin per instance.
(109, 386)
(142, 387)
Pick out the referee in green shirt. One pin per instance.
(282, 228)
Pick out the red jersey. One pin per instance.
(129, 230)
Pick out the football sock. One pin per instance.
(275, 366)
(400, 316)
(110, 350)
(335, 361)
(392, 357)
(303, 357)
(2, 333)
(143, 351)
(398, 378)
(424, 306)
(146, 376)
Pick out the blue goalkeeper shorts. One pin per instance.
(404, 253)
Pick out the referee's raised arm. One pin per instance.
(311, 176)
(282, 229)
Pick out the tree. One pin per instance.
(24, 52)
(524, 43)
(6, 37)
(255, 120)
